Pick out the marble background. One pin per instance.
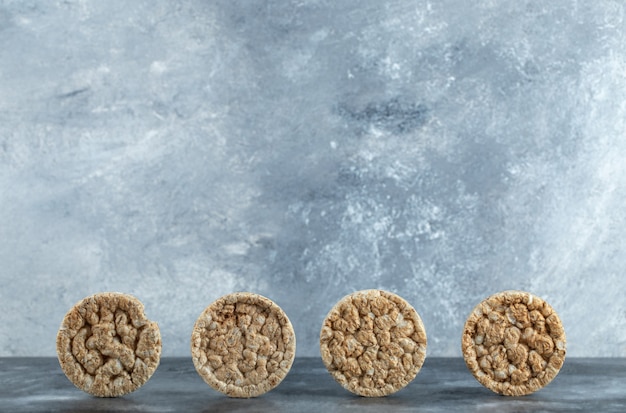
(305, 149)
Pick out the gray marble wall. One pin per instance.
(182, 150)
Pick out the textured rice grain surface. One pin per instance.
(373, 343)
(514, 343)
(243, 345)
(106, 345)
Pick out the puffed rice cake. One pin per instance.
(514, 343)
(243, 345)
(373, 343)
(106, 346)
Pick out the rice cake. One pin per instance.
(514, 343)
(243, 345)
(373, 343)
(106, 346)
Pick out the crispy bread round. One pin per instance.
(243, 345)
(373, 343)
(513, 343)
(106, 346)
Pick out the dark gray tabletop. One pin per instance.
(443, 385)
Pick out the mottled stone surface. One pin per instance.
(444, 385)
(303, 150)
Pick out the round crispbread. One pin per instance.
(514, 343)
(373, 343)
(106, 346)
(243, 345)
